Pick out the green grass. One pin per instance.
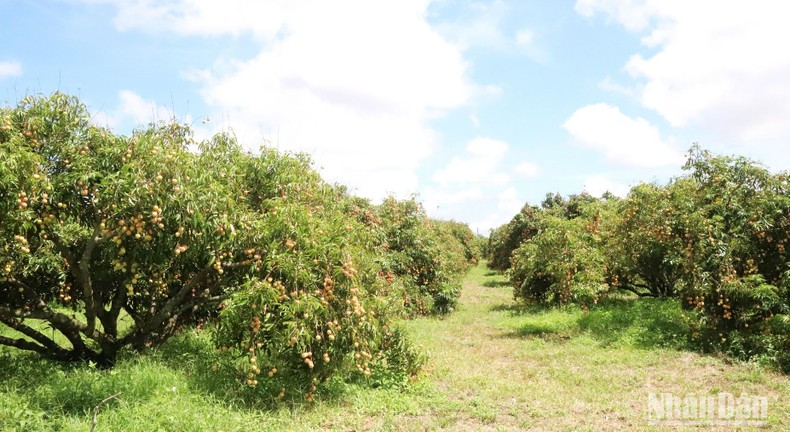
(494, 365)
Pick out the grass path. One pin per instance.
(494, 366)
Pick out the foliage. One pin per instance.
(426, 257)
(716, 238)
(115, 242)
(507, 238)
(108, 225)
(735, 272)
(173, 388)
(563, 262)
(460, 238)
(643, 249)
(570, 208)
(526, 224)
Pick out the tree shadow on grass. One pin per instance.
(185, 360)
(69, 388)
(640, 323)
(539, 321)
(196, 359)
(493, 283)
(546, 332)
(521, 308)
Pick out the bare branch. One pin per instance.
(118, 302)
(96, 409)
(28, 293)
(109, 318)
(178, 303)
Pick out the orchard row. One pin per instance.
(714, 239)
(119, 242)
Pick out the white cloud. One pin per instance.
(481, 28)
(527, 169)
(485, 25)
(598, 185)
(436, 199)
(135, 111)
(633, 14)
(10, 69)
(263, 19)
(475, 120)
(610, 85)
(509, 201)
(479, 184)
(525, 37)
(527, 42)
(354, 83)
(721, 65)
(621, 139)
(482, 167)
(502, 208)
(142, 111)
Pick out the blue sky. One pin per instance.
(476, 106)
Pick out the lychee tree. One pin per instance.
(644, 246)
(108, 242)
(508, 237)
(737, 274)
(131, 235)
(428, 263)
(562, 263)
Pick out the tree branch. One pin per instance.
(199, 279)
(109, 318)
(23, 345)
(635, 291)
(68, 327)
(62, 248)
(8, 318)
(118, 302)
(96, 410)
(155, 322)
(204, 300)
(85, 278)
(40, 310)
(28, 292)
(81, 272)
